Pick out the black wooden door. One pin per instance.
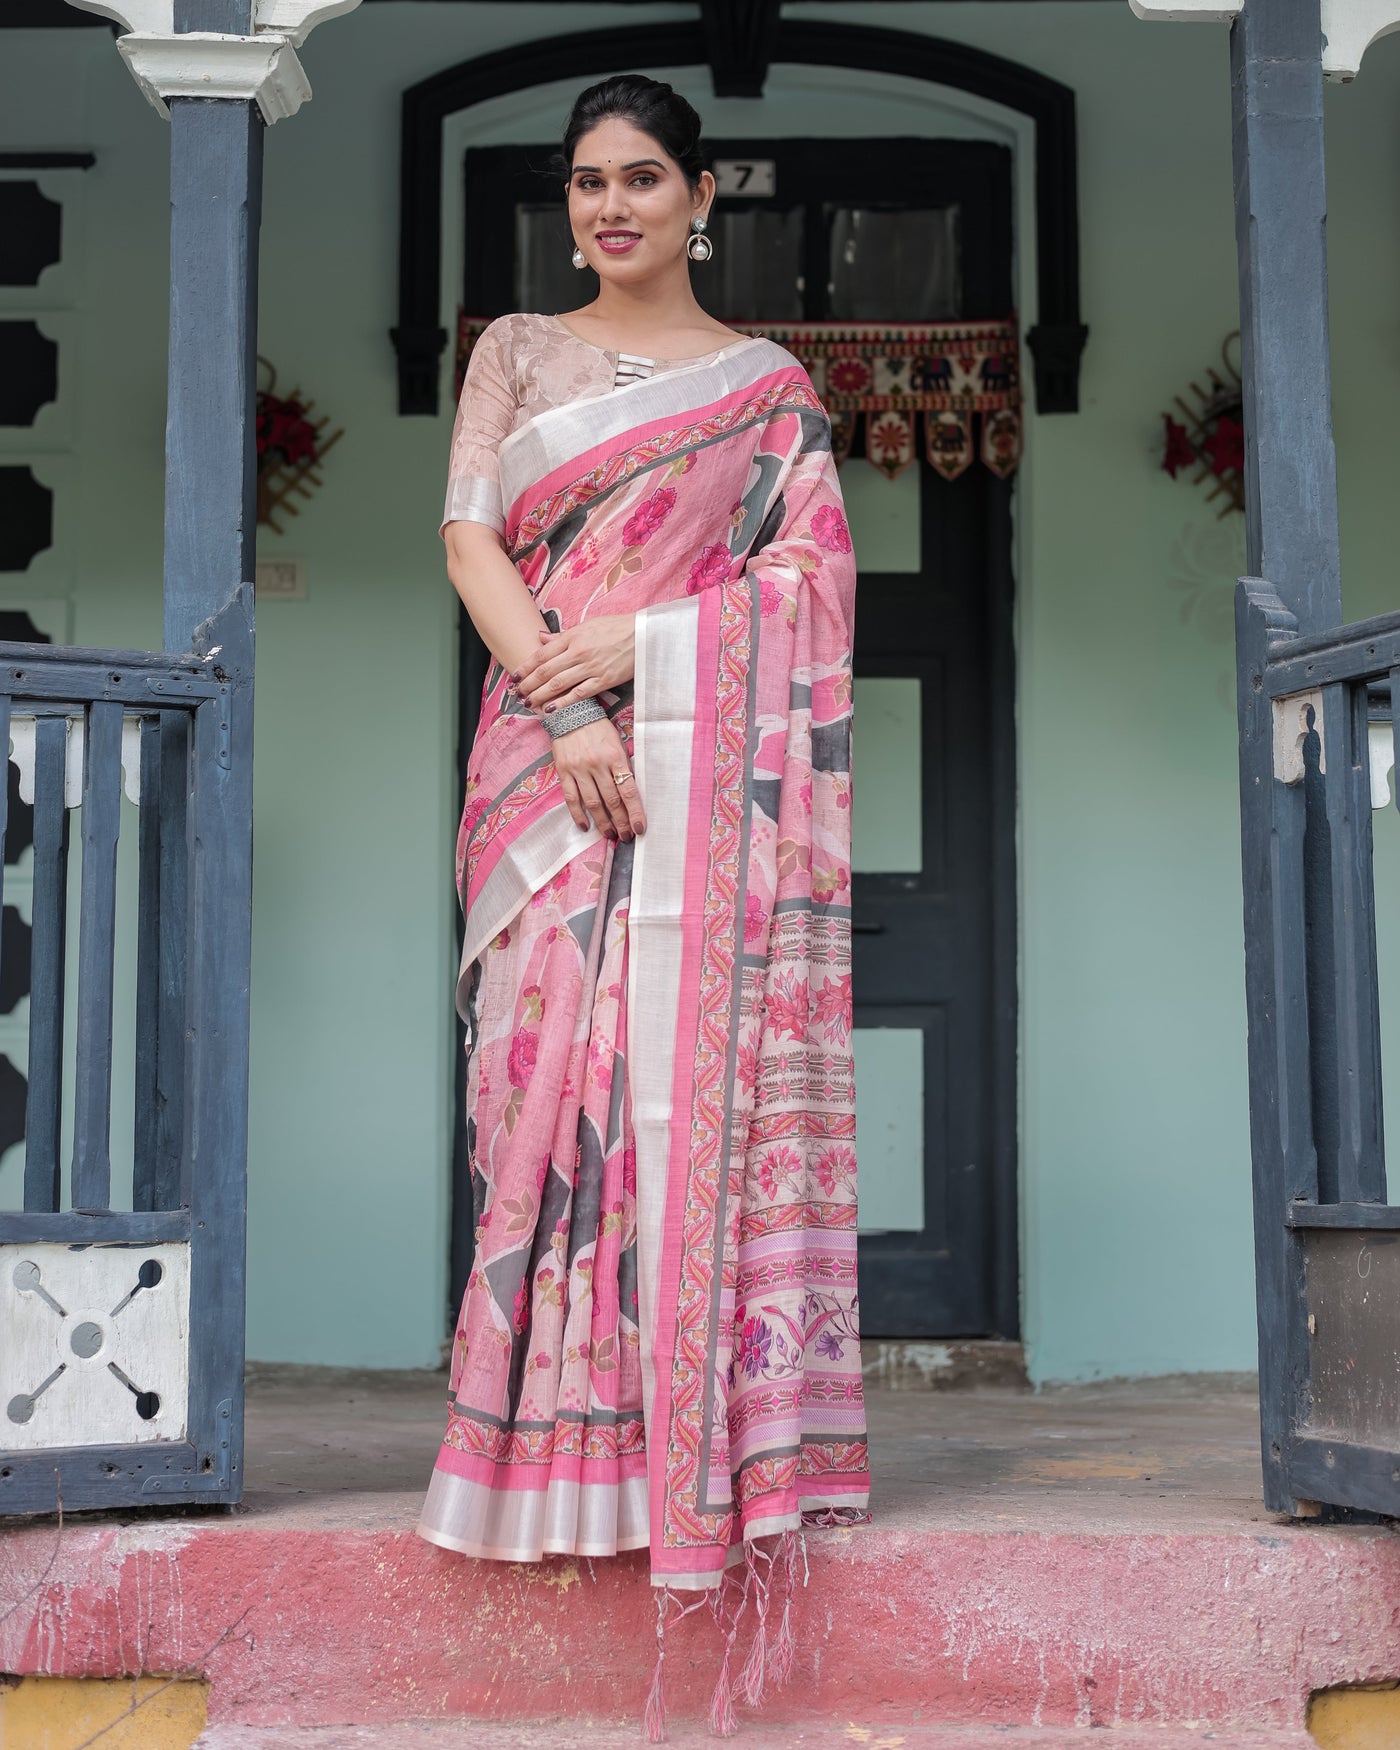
(930, 704)
(874, 230)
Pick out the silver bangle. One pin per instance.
(570, 717)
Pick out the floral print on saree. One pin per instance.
(659, 1343)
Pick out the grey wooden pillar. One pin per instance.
(1292, 542)
(216, 158)
(1281, 235)
(216, 165)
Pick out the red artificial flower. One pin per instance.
(1226, 446)
(1178, 453)
(283, 432)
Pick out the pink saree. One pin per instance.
(658, 1345)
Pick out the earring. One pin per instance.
(579, 259)
(698, 246)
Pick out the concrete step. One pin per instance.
(332, 1613)
(1088, 1562)
(752, 1735)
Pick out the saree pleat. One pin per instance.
(659, 1345)
(545, 1379)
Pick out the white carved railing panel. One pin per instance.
(22, 754)
(96, 1346)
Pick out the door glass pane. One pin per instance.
(887, 822)
(546, 279)
(884, 517)
(895, 266)
(890, 1127)
(755, 273)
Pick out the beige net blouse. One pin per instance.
(521, 366)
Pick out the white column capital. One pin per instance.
(262, 68)
(256, 69)
(1349, 27)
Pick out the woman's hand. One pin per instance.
(591, 658)
(596, 778)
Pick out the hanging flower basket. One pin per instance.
(1207, 443)
(291, 446)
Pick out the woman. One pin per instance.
(658, 1344)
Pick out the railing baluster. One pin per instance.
(1350, 1038)
(144, 1170)
(1395, 735)
(43, 1128)
(161, 949)
(172, 1046)
(92, 1117)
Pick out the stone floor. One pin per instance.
(1162, 1454)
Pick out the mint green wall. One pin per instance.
(1132, 1012)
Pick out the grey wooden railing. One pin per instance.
(1327, 1241)
(121, 1329)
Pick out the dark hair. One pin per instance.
(650, 106)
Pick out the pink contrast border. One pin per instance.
(683, 1085)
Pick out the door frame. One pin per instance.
(1056, 342)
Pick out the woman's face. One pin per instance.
(630, 205)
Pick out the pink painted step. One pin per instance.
(843, 1735)
(332, 1613)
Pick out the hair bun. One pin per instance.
(651, 106)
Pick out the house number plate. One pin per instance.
(746, 176)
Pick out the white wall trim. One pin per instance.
(1349, 27)
(262, 70)
(1168, 11)
(298, 18)
(295, 19)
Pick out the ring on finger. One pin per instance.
(620, 777)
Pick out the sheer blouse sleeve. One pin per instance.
(485, 415)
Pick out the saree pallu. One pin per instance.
(658, 1346)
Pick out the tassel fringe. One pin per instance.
(725, 1603)
(780, 1660)
(771, 1656)
(654, 1713)
(760, 1563)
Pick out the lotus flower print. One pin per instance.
(755, 1340)
(649, 516)
(520, 1064)
(710, 568)
(829, 530)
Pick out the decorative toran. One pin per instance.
(887, 374)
